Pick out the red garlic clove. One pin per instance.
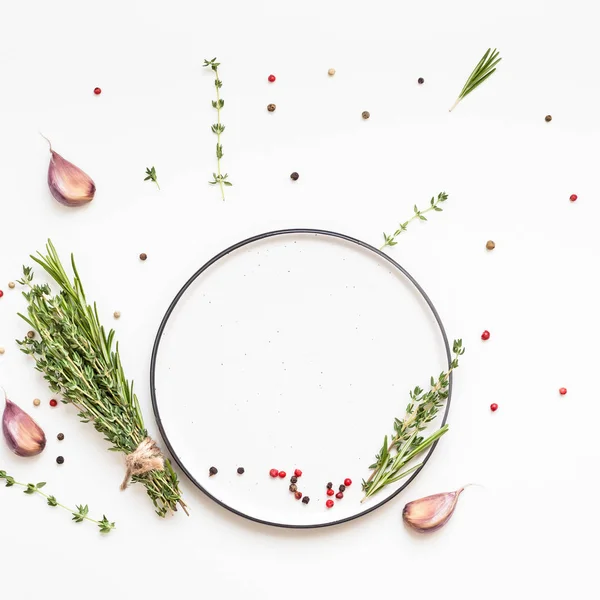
(22, 434)
(432, 512)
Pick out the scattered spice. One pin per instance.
(366, 114)
(305, 500)
(272, 78)
(485, 335)
(273, 472)
(331, 72)
(390, 240)
(329, 503)
(212, 471)
(2, 350)
(562, 391)
(271, 107)
(53, 403)
(97, 91)
(117, 314)
(282, 474)
(432, 512)
(490, 245)
(11, 285)
(294, 479)
(573, 197)
(347, 482)
(23, 435)
(484, 69)
(68, 184)
(241, 470)
(297, 473)
(330, 492)
(297, 495)
(293, 487)
(31, 334)
(294, 176)
(151, 176)
(79, 515)
(60, 437)
(420, 81)
(60, 460)
(143, 256)
(339, 495)
(548, 118)
(1, 293)
(36, 401)
(218, 128)
(329, 485)
(493, 407)
(342, 488)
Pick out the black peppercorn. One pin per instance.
(60, 460)
(305, 500)
(240, 470)
(294, 176)
(212, 471)
(60, 437)
(548, 118)
(420, 80)
(293, 487)
(329, 485)
(366, 114)
(294, 479)
(143, 256)
(271, 107)
(342, 488)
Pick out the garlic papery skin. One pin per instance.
(22, 434)
(432, 512)
(67, 182)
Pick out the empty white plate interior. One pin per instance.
(295, 351)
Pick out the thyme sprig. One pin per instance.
(218, 128)
(80, 513)
(151, 176)
(434, 204)
(78, 361)
(406, 443)
(484, 69)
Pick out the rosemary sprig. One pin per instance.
(484, 69)
(434, 204)
(151, 175)
(406, 443)
(80, 514)
(78, 360)
(218, 128)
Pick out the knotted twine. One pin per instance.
(146, 457)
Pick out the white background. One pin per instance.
(530, 531)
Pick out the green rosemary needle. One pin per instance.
(80, 514)
(218, 128)
(484, 69)
(434, 204)
(406, 443)
(151, 176)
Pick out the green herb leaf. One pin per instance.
(484, 69)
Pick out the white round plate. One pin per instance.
(291, 350)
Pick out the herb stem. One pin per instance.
(219, 131)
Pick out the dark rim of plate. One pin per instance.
(211, 262)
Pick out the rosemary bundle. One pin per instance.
(485, 68)
(406, 443)
(77, 359)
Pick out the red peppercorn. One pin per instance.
(273, 472)
(329, 503)
(298, 473)
(493, 407)
(573, 197)
(339, 495)
(330, 492)
(485, 335)
(53, 403)
(272, 78)
(97, 91)
(282, 474)
(347, 482)
(563, 391)
(298, 495)
(1, 293)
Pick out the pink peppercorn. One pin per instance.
(282, 474)
(493, 407)
(347, 482)
(272, 78)
(573, 197)
(97, 91)
(273, 472)
(329, 503)
(485, 335)
(53, 403)
(339, 495)
(562, 391)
